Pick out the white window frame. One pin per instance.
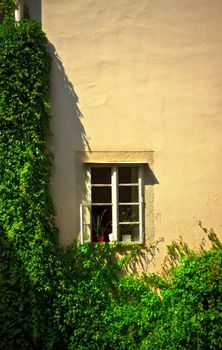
(85, 220)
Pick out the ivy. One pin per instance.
(8, 6)
(29, 257)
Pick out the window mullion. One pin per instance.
(115, 202)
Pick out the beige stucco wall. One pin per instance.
(138, 76)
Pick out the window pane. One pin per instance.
(128, 194)
(101, 175)
(128, 174)
(128, 213)
(129, 233)
(101, 195)
(101, 222)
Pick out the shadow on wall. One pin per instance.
(149, 176)
(144, 261)
(68, 136)
(34, 9)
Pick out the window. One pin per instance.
(115, 208)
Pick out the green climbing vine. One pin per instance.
(8, 6)
(29, 258)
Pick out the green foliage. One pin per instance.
(191, 307)
(29, 265)
(80, 299)
(8, 6)
(98, 225)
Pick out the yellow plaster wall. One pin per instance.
(141, 75)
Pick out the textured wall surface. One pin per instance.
(138, 76)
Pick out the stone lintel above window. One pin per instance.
(116, 157)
